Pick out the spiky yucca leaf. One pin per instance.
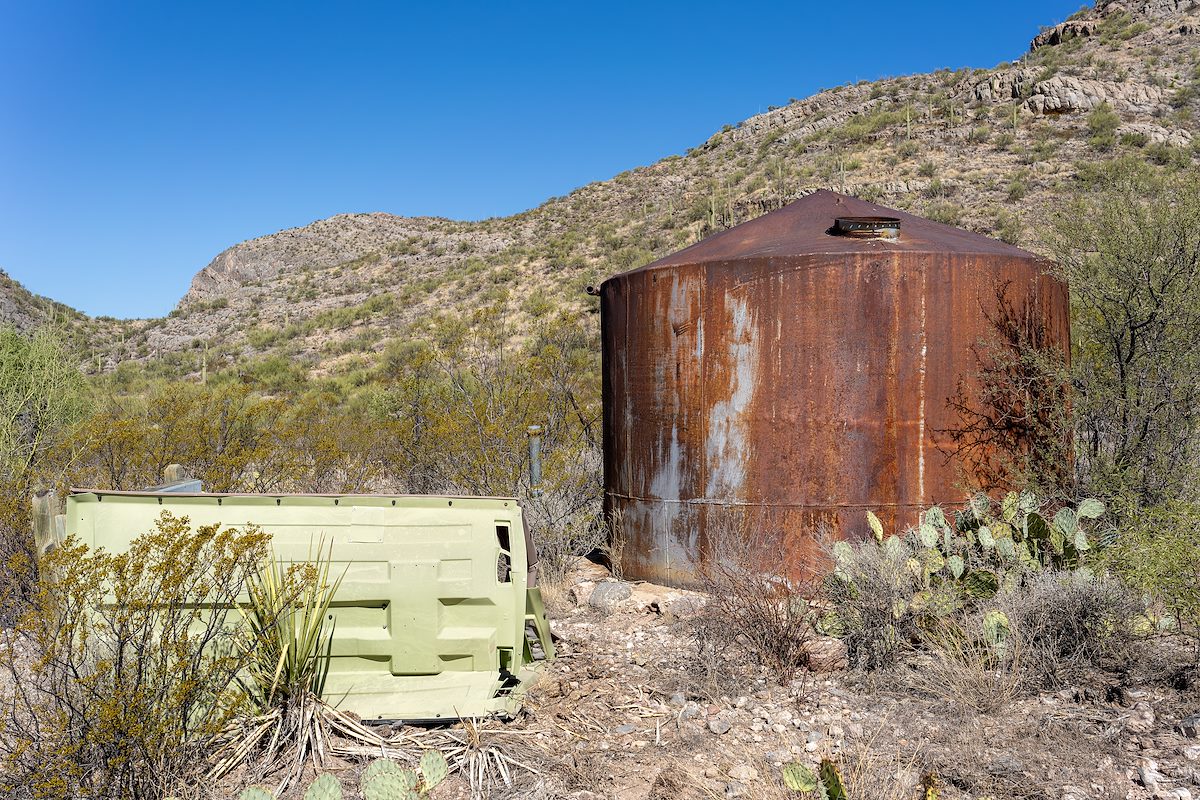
(289, 641)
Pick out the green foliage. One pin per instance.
(1130, 251)
(42, 398)
(1156, 553)
(800, 778)
(886, 589)
(132, 678)
(945, 212)
(1102, 124)
(826, 782)
(286, 640)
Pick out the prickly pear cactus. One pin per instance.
(831, 780)
(256, 793)
(387, 780)
(433, 769)
(325, 787)
(799, 778)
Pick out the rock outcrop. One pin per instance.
(1063, 31)
(1065, 94)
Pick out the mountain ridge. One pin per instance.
(990, 150)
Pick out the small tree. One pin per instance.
(1131, 254)
(42, 396)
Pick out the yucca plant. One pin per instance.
(286, 646)
(288, 640)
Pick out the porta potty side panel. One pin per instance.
(432, 605)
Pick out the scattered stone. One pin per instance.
(626, 728)
(735, 789)
(609, 594)
(677, 699)
(1141, 717)
(1149, 776)
(744, 773)
(1189, 726)
(720, 725)
(691, 710)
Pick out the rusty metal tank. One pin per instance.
(800, 367)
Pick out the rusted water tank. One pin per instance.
(798, 365)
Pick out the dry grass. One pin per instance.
(751, 616)
(961, 668)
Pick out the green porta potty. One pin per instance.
(436, 616)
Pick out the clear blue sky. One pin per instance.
(139, 139)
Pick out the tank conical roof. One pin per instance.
(804, 228)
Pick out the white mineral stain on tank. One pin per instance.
(728, 446)
(672, 544)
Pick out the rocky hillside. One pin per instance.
(24, 310)
(988, 149)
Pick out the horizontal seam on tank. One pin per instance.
(719, 502)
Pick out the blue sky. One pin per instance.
(139, 139)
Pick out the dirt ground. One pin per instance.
(625, 712)
(629, 711)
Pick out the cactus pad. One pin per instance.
(256, 793)
(387, 780)
(325, 787)
(433, 769)
(799, 778)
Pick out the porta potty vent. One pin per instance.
(784, 376)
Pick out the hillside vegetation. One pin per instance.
(988, 149)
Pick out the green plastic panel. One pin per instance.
(430, 618)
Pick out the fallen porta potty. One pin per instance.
(436, 616)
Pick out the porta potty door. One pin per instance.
(430, 617)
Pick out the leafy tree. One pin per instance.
(1131, 254)
(42, 396)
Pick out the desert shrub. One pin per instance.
(117, 677)
(458, 406)
(1102, 124)
(751, 615)
(1008, 227)
(1156, 554)
(1063, 626)
(980, 134)
(886, 591)
(945, 212)
(1018, 187)
(968, 661)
